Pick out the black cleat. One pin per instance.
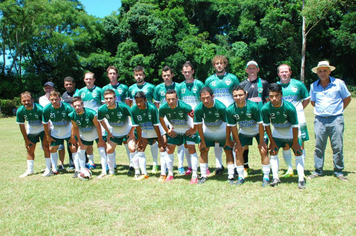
(274, 182)
(219, 171)
(301, 184)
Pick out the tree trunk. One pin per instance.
(304, 48)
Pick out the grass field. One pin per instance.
(61, 205)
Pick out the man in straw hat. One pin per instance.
(330, 97)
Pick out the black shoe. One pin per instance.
(240, 181)
(231, 181)
(274, 182)
(202, 180)
(60, 168)
(75, 175)
(265, 182)
(219, 171)
(301, 184)
(131, 170)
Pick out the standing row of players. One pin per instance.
(222, 102)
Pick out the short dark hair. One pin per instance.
(188, 63)
(69, 79)
(238, 87)
(76, 99)
(207, 90)
(112, 68)
(140, 94)
(171, 91)
(275, 88)
(109, 91)
(290, 69)
(139, 68)
(167, 68)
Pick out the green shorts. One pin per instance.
(35, 138)
(211, 143)
(304, 132)
(89, 143)
(58, 141)
(183, 139)
(119, 141)
(246, 140)
(149, 140)
(281, 143)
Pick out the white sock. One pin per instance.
(287, 155)
(48, 163)
(127, 151)
(103, 159)
(111, 162)
(91, 159)
(82, 159)
(240, 171)
(54, 160)
(266, 169)
(170, 161)
(230, 171)
(163, 159)
(194, 158)
(304, 155)
(76, 162)
(180, 156)
(188, 157)
(142, 162)
(132, 156)
(135, 163)
(274, 166)
(218, 155)
(203, 167)
(30, 165)
(154, 153)
(234, 156)
(299, 162)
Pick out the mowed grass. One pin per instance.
(61, 205)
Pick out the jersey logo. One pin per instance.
(213, 83)
(149, 116)
(119, 115)
(180, 114)
(294, 89)
(64, 114)
(195, 89)
(163, 93)
(83, 95)
(217, 114)
(183, 91)
(228, 81)
(95, 94)
(285, 115)
(119, 90)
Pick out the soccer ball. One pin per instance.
(85, 174)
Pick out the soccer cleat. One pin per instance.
(169, 178)
(240, 181)
(75, 175)
(265, 182)
(92, 167)
(131, 170)
(101, 176)
(289, 173)
(154, 169)
(189, 171)
(313, 176)
(162, 178)
(181, 171)
(219, 170)
(342, 178)
(194, 180)
(60, 168)
(274, 182)
(202, 180)
(231, 181)
(27, 173)
(246, 172)
(208, 172)
(55, 172)
(47, 173)
(140, 177)
(301, 184)
(71, 169)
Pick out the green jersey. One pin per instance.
(91, 97)
(212, 119)
(147, 88)
(180, 117)
(60, 122)
(248, 117)
(190, 92)
(146, 119)
(87, 129)
(295, 92)
(121, 91)
(118, 118)
(222, 87)
(33, 117)
(159, 95)
(283, 119)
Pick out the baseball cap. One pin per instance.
(251, 63)
(49, 83)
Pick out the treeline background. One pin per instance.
(45, 40)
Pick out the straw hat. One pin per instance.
(323, 64)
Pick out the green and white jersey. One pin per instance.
(181, 117)
(146, 119)
(213, 120)
(248, 117)
(91, 97)
(87, 129)
(121, 91)
(118, 118)
(33, 117)
(295, 92)
(159, 95)
(222, 87)
(190, 92)
(60, 122)
(283, 119)
(147, 88)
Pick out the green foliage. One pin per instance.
(8, 107)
